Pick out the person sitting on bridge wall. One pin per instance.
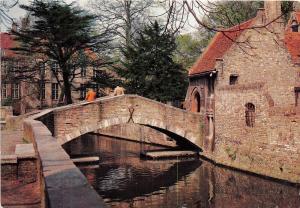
(119, 91)
(91, 95)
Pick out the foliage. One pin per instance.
(58, 33)
(150, 70)
(229, 13)
(189, 48)
(286, 9)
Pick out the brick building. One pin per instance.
(247, 84)
(43, 90)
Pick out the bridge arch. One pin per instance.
(152, 123)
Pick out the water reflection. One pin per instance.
(124, 180)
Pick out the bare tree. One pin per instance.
(5, 6)
(124, 17)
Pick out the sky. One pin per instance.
(16, 13)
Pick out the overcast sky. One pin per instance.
(16, 13)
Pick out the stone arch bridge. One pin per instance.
(69, 122)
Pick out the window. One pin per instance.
(43, 90)
(297, 96)
(250, 114)
(95, 73)
(4, 91)
(294, 26)
(54, 91)
(55, 67)
(4, 67)
(82, 91)
(2, 52)
(83, 71)
(233, 79)
(16, 91)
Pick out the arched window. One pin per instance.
(195, 102)
(250, 114)
(295, 26)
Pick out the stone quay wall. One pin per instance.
(62, 183)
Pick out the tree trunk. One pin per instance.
(67, 88)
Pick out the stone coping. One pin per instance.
(8, 159)
(25, 151)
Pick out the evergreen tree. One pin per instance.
(150, 70)
(59, 32)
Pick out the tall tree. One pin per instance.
(59, 32)
(124, 17)
(150, 70)
(229, 13)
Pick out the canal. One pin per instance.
(123, 179)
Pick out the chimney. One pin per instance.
(273, 13)
(25, 23)
(14, 27)
(260, 16)
(272, 10)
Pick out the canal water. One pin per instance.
(122, 179)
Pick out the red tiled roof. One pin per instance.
(7, 42)
(221, 42)
(292, 41)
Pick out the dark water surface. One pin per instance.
(122, 179)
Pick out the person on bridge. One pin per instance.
(91, 95)
(119, 91)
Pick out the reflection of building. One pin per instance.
(42, 89)
(247, 84)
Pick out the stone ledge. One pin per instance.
(8, 159)
(25, 151)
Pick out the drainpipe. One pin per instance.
(210, 116)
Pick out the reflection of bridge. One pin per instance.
(70, 122)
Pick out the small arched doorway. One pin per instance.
(195, 107)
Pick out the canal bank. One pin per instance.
(123, 179)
